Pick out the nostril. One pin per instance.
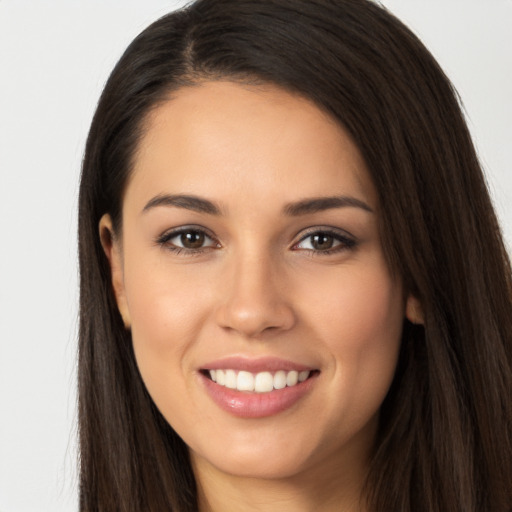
(255, 318)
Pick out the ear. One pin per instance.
(112, 249)
(414, 311)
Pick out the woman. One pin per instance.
(294, 292)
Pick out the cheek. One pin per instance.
(359, 317)
(166, 321)
(163, 303)
(360, 308)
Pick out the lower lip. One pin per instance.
(256, 405)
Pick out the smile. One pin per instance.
(261, 382)
(257, 388)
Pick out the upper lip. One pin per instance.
(255, 364)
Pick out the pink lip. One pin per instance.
(255, 365)
(251, 404)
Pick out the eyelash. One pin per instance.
(345, 241)
(164, 240)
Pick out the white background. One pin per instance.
(54, 59)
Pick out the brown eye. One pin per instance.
(187, 239)
(326, 242)
(322, 241)
(192, 239)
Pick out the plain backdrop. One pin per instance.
(54, 59)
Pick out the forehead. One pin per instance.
(222, 137)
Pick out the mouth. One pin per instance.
(257, 388)
(260, 382)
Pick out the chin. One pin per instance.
(257, 464)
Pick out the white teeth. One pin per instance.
(280, 380)
(245, 381)
(292, 378)
(303, 376)
(230, 379)
(221, 379)
(262, 382)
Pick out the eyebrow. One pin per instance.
(319, 204)
(194, 203)
(295, 209)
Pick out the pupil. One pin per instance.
(192, 239)
(322, 242)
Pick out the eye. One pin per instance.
(190, 239)
(187, 239)
(325, 241)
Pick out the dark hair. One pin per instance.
(445, 435)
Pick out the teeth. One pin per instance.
(230, 379)
(245, 381)
(292, 378)
(280, 380)
(221, 378)
(303, 376)
(262, 382)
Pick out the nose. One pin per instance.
(254, 300)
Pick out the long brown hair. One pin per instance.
(445, 437)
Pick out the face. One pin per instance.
(251, 273)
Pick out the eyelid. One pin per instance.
(166, 236)
(346, 239)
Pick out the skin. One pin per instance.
(259, 287)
